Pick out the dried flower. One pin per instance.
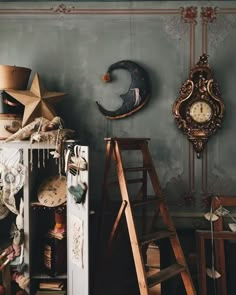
(55, 154)
(106, 78)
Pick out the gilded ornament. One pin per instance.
(199, 109)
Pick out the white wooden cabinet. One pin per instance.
(38, 219)
(78, 232)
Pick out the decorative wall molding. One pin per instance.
(63, 9)
(71, 10)
(189, 14)
(208, 14)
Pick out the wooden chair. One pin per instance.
(219, 237)
(201, 236)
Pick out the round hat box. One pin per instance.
(13, 77)
(9, 124)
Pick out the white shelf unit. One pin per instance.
(77, 275)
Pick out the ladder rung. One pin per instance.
(156, 236)
(136, 169)
(129, 143)
(127, 139)
(165, 274)
(145, 201)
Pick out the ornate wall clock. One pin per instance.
(199, 110)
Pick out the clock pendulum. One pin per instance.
(199, 109)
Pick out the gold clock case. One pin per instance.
(199, 87)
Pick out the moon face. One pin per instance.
(138, 94)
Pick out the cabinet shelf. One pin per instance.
(25, 144)
(44, 276)
(38, 205)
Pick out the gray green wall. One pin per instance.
(71, 50)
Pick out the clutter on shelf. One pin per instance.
(11, 77)
(37, 101)
(40, 122)
(55, 246)
(75, 162)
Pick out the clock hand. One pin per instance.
(201, 108)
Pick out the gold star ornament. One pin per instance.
(38, 101)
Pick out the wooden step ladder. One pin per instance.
(139, 244)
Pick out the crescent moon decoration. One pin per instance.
(139, 92)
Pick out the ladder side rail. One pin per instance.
(116, 223)
(144, 197)
(178, 252)
(105, 196)
(139, 264)
(108, 158)
(144, 215)
(144, 210)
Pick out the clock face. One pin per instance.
(52, 191)
(201, 111)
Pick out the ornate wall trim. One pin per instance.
(63, 9)
(228, 10)
(189, 15)
(208, 15)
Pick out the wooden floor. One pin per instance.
(121, 277)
